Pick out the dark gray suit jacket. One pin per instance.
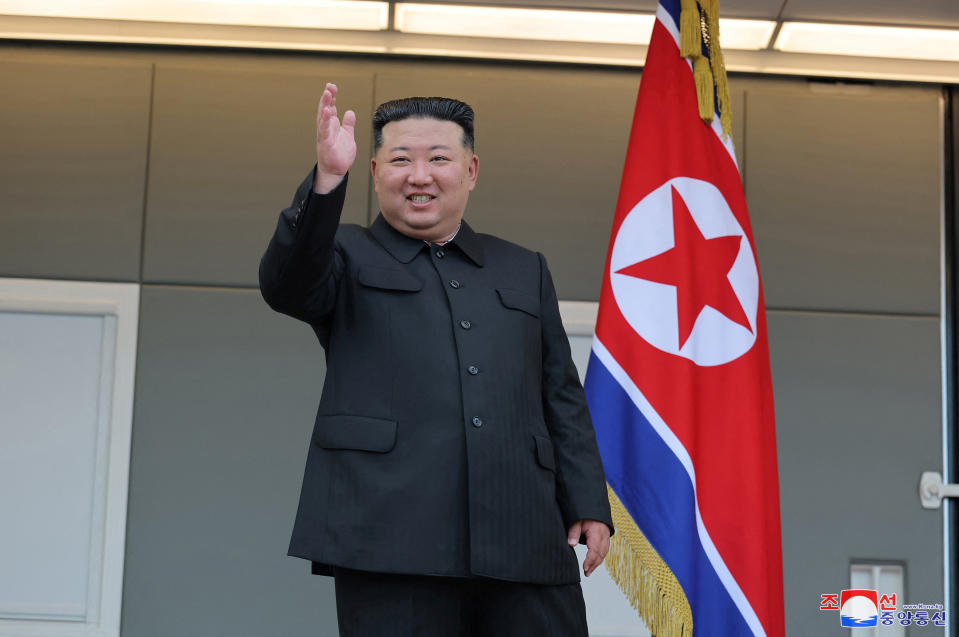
(452, 435)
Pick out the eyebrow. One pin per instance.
(438, 146)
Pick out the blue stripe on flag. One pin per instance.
(672, 8)
(658, 494)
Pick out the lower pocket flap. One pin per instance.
(544, 453)
(355, 432)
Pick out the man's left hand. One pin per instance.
(597, 542)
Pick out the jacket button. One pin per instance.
(454, 283)
(473, 369)
(477, 421)
(466, 325)
(440, 254)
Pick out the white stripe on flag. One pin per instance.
(663, 16)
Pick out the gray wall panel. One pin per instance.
(225, 397)
(551, 144)
(858, 419)
(229, 148)
(844, 191)
(72, 167)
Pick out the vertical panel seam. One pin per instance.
(742, 169)
(948, 245)
(146, 175)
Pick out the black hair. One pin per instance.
(441, 108)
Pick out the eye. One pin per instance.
(399, 160)
(440, 158)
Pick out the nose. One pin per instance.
(420, 173)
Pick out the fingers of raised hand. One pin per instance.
(329, 93)
(335, 143)
(327, 106)
(349, 120)
(325, 99)
(326, 120)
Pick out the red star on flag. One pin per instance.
(697, 268)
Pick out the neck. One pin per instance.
(447, 238)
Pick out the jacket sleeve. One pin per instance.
(301, 267)
(581, 483)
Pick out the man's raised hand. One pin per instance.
(335, 143)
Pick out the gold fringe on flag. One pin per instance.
(648, 582)
(699, 29)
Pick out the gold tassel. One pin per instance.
(690, 30)
(704, 88)
(649, 584)
(710, 7)
(718, 66)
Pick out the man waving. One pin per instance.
(453, 463)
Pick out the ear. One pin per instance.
(473, 171)
(373, 173)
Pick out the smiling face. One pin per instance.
(423, 174)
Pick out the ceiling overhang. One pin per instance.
(385, 32)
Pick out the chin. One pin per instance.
(421, 220)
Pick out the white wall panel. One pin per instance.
(67, 354)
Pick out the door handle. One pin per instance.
(932, 490)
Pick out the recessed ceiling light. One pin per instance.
(911, 43)
(524, 24)
(606, 27)
(310, 14)
(735, 33)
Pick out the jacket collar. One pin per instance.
(469, 242)
(404, 248)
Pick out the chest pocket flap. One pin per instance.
(389, 279)
(519, 301)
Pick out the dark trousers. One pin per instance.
(388, 605)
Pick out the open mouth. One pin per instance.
(421, 198)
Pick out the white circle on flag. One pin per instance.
(651, 308)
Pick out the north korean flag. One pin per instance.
(678, 381)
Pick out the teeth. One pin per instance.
(420, 198)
